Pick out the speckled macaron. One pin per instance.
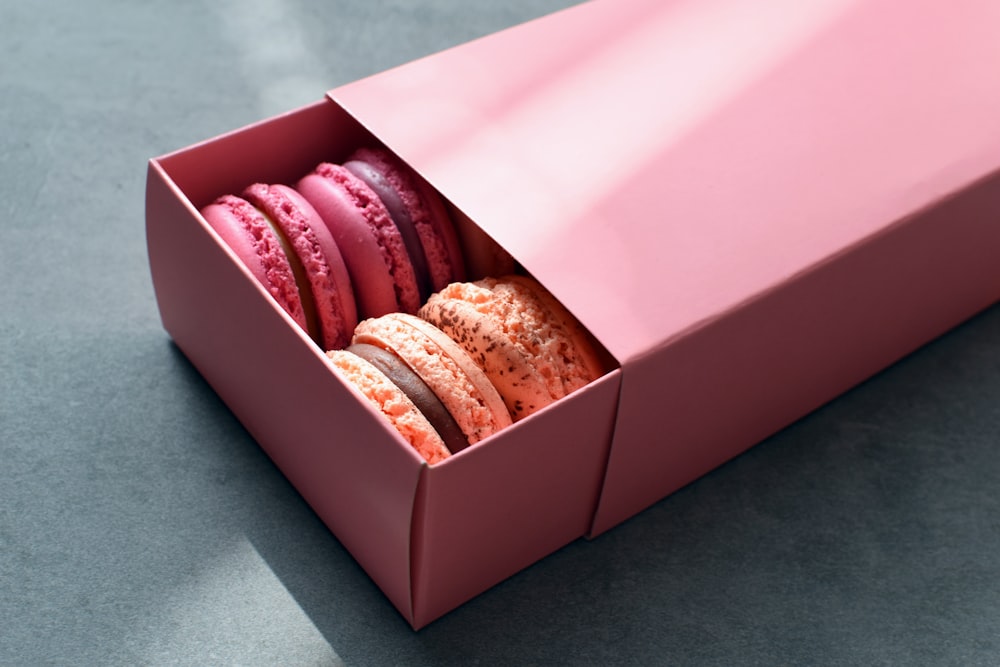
(459, 383)
(392, 401)
(530, 347)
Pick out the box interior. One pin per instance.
(430, 536)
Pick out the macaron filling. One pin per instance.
(326, 287)
(301, 278)
(426, 211)
(400, 217)
(444, 367)
(395, 406)
(417, 391)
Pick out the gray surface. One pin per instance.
(139, 524)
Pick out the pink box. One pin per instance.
(430, 536)
(753, 209)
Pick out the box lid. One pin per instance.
(631, 162)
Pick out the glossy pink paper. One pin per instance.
(744, 201)
(431, 537)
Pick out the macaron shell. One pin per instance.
(417, 391)
(445, 367)
(504, 339)
(329, 282)
(247, 233)
(444, 243)
(572, 350)
(371, 246)
(427, 212)
(527, 343)
(391, 402)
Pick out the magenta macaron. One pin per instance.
(284, 243)
(392, 229)
(419, 213)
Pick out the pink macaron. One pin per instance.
(397, 393)
(284, 243)
(418, 212)
(447, 370)
(372, 246)
(396, 235)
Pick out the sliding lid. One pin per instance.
(658, 162)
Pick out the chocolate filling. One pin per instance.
(417, 391)
(400, 217)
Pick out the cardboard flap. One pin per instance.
(499, 506)
(631, 154)
(361, 481)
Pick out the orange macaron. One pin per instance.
(530, 347)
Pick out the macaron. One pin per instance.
(284, 243)
(396, 397)
(371, 244)
(418, 212)
(529, 346)
(445, 368)
(482, 255)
